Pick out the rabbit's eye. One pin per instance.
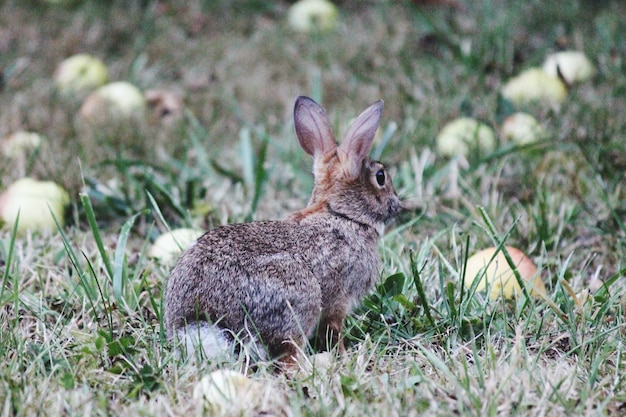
(380, 177)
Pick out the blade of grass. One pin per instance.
(9, 261)
(157, 211)
(119, 265)
(87, 288)
(419, 287)
(91, 219)
(105, 302)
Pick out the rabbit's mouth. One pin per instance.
(396, 207)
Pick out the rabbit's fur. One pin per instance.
(280, 281)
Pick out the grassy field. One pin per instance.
(81, 311)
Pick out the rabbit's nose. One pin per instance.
(396, 206)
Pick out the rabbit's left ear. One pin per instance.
(358, 141)
(313, 128)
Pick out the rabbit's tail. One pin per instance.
(204, 340)
(208, 341)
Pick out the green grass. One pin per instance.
(81, 310)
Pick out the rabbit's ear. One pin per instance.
(312, 128)
(358, 141)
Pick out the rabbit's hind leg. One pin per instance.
(329, 331)
(286, 354)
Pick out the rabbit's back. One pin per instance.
(247, 276)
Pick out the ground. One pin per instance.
(81, 307)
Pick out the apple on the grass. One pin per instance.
(226, 392)
(119, 100)
(462, 135)
(19, 143)
(573, 66)
(535, 86)
(34, 204)
(522, 129)
(79, 74)
(492, 269)
(312, 15)
(167, 247)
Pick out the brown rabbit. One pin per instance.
(276, 282)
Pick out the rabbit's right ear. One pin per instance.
(312, 128)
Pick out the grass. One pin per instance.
(81, 310)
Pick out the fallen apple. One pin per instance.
(115, 101)
(79, 74)
(229, 393)
(522, 129)
(491, 268)
(574, 66)
(312, 15)
(37, 203)
(167, 247)
(18, 144)
(534, 85)
(462, 135)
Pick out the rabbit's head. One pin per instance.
(347, 182)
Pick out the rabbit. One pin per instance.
(280, 283)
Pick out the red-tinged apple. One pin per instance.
(491, 268)
(117, 101)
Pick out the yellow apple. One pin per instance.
(535, 85)
(167, 247)
(522, 129)
(494, 272)
(80, 73)
(312, 15)
(573, 65)
(461, 135)
(38, 203)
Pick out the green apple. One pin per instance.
(534, 85)
(312, 15)
(492, 269)
(79, 74)
(574, 66)
(461, 135)
(522, 129)
(37, 203)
